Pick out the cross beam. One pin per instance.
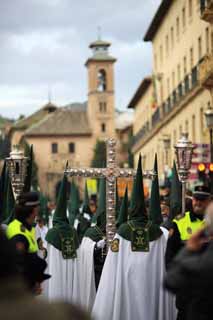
(111, 173)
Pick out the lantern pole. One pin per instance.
(184, 150)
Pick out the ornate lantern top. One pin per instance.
(17, 166)
(209, 118)
(184, 150)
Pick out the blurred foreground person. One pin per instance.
(182, 229)
(190, 274)
(21, 234)
(16, 302)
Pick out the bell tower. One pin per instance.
(101, 110)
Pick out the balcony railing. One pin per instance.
(156, 117)
(183, 88)
(206, 72)
(194, 76)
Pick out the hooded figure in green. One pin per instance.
(133, 272)
(93, 252)
(62, 252)
(83, 219)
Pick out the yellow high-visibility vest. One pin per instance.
(187, 227)
(16, 227)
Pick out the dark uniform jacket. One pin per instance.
(190, 275)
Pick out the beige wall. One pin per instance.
(51, 166)
(183, 53)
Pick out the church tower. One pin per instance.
(101, 110)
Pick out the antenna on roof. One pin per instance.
(49, 94)
(99, 32)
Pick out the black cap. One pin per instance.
(201, 192)
(29, 199)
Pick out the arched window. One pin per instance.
(71, 147)
(102, 81)
(103, 127)
(54, 148)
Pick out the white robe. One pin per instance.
(87, 274)
(131, 284)
(64, 283)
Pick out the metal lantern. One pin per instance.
(184, 150)
(17, 166)
(209, 118)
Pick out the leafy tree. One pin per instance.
(99, 157)
(27, 151)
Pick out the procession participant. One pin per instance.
(93, 252)
(130, 286)
(83, 219)
(182, 228)
(74, 204)
(21, 234)
(62, 252)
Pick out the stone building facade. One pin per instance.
(180, 41)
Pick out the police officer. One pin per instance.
(21, 233)
(183, 227)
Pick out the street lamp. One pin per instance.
(209, 124)
(184, 150)
(17, 166)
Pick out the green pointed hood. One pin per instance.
(28, 179)
(155, 208)
(86, 207)
(61, 227)
(60, 214)
(74, 203)
(123, 213)
(137, 204)
(8, 200)
(101, 210)
(175, 194)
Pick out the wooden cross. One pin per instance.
(111, 173)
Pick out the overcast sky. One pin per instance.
(44, 44)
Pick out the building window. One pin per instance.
(202, 119)
(161, 54)
(199, 48)
(207, 40)
(173, 80)
(102, 81)
(167, 44)
(102, 107)
(184, 17)
(190, 9)
(54, 147)
(103, 127)
(71, 147)
(172, 37)
(187, 126)
(191, 58)
(168, 86)
(184, 66)
(177, 27)
(179, 73)
(193, 129)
